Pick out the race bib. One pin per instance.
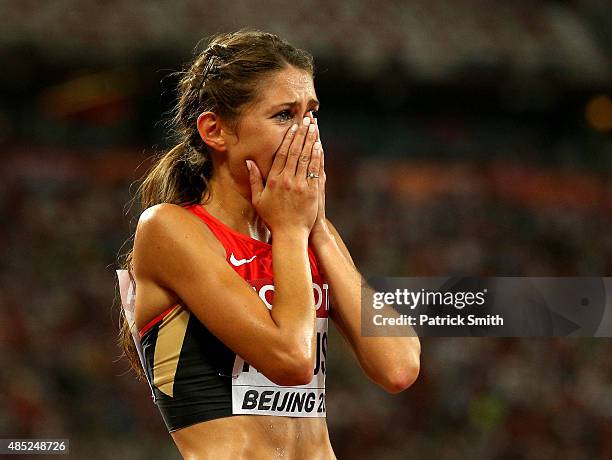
(255, 394)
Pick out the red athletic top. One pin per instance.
(195, 377)
(250, 258)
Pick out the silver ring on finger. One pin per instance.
(312, 175)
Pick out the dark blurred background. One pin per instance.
(463, 137)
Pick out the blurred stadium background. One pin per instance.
(462, 137)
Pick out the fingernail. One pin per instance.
(248, 163)
(294, 127)
(317, 145)
(306, 121)
(311, 128)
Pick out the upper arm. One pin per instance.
(392, 362)
(172, 250)
(337, 318)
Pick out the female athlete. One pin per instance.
(234, 222)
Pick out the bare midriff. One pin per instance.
(255, 437)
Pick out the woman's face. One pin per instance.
(285, 98)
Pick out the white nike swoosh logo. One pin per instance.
(238, 262)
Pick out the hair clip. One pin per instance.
(210, 71)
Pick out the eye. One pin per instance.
(285, 115)
(314, 113)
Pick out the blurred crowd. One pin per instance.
(481, 398)
(461, 138)
(65, 219)
(435, 39)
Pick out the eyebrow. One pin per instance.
(293, 103)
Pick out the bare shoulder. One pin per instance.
(166, 230)
(170, 221)
(163, 217)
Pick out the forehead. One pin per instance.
(286, 85)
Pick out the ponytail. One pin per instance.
(180, 176)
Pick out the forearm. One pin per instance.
(294, 311)
(392, 362)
